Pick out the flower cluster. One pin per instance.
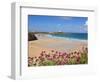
(59, 58)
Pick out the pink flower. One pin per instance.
(41, 54)
(75, 52)
(39, 57)
(59, 53)
(56, 52)
(52, 50)
(36, 60)
(78, 58)
(49, 58)
(43, 51)
(46, 55)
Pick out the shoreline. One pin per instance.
(66, 38)
(45, 36)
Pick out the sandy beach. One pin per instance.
(46, 43)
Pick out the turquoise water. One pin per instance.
(79, 36)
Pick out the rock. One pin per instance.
(31, 37)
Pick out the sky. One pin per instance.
(40, 23)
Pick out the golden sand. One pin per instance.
(48, 44)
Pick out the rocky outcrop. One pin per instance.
(31, 37)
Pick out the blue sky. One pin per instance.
(41, 23)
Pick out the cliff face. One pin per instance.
(31, 37)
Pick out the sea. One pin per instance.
(74, 36)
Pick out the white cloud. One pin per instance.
(85, 26)
(86, 23)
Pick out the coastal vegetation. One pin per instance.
(59, 58)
